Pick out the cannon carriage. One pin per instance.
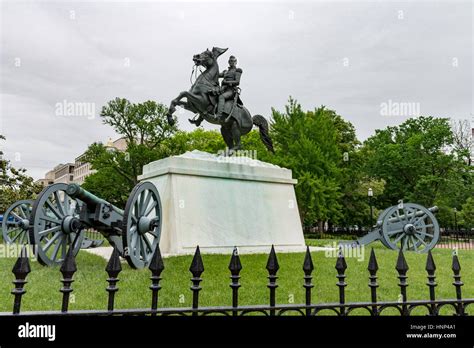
(61, 212)
(56, 221)
(406, 226)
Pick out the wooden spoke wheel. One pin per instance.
(380, 220)
(16, 221)
(55, 225)
(142, 225)
(410, 227)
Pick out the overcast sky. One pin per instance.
(353, 56)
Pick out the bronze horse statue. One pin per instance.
(202, 99)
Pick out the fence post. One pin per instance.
(341, 267)
(235, 267)
(113, 269)
(20, 270)
(456, 267)
(308, 268)
(68, 268)
(402, 268)
(156, 267)
(196, 268)
(373, 267)
(430, 269)
(272, 268)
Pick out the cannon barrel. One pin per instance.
(419, 213)
(76, 191)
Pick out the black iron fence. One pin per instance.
(449, 238)
(456, 239)
(404, 306)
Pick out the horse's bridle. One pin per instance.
(209, 84)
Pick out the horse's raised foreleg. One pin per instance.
(176, 101)
(171, 111)
(191, 100)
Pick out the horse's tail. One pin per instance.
(262, 125)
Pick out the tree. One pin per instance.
(112, 180)
(416, 163)
(306, 143)
(142, 123)
(467, 213)
(463, 141)
(355, 209)
(410, 159)
(15, 184)
(199, 139)
(144, 126)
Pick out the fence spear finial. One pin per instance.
(308, 266)
(272, 263)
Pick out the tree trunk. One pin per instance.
(330, 226)
(321, 228)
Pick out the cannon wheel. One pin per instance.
(16, 221)
(403, 229)
(142, 225)
(55, 224)
(380, 223)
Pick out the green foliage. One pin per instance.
(109, 185)
(306, 142)
(415, 162)
(144, 126)
(354, 183)
(199, 139)
(467, 213)
(251, 142)
(411, 160)
(117, 171)
(15, 184)
(142, 123)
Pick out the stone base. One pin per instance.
(220, 202)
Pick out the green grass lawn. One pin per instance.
(90, 281)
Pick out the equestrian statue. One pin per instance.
(220, 103)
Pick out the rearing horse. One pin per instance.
(202, 100)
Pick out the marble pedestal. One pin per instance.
(220, 202)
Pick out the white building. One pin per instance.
(82, 170)
(78, 171)
(64, 173)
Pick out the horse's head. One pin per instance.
(207, 58)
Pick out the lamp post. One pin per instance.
(370, 194)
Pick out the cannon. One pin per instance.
(16, 221)
(407, 226)
(61, 212)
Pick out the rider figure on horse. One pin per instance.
(206, 95)
(230, 84)
(229, 89)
